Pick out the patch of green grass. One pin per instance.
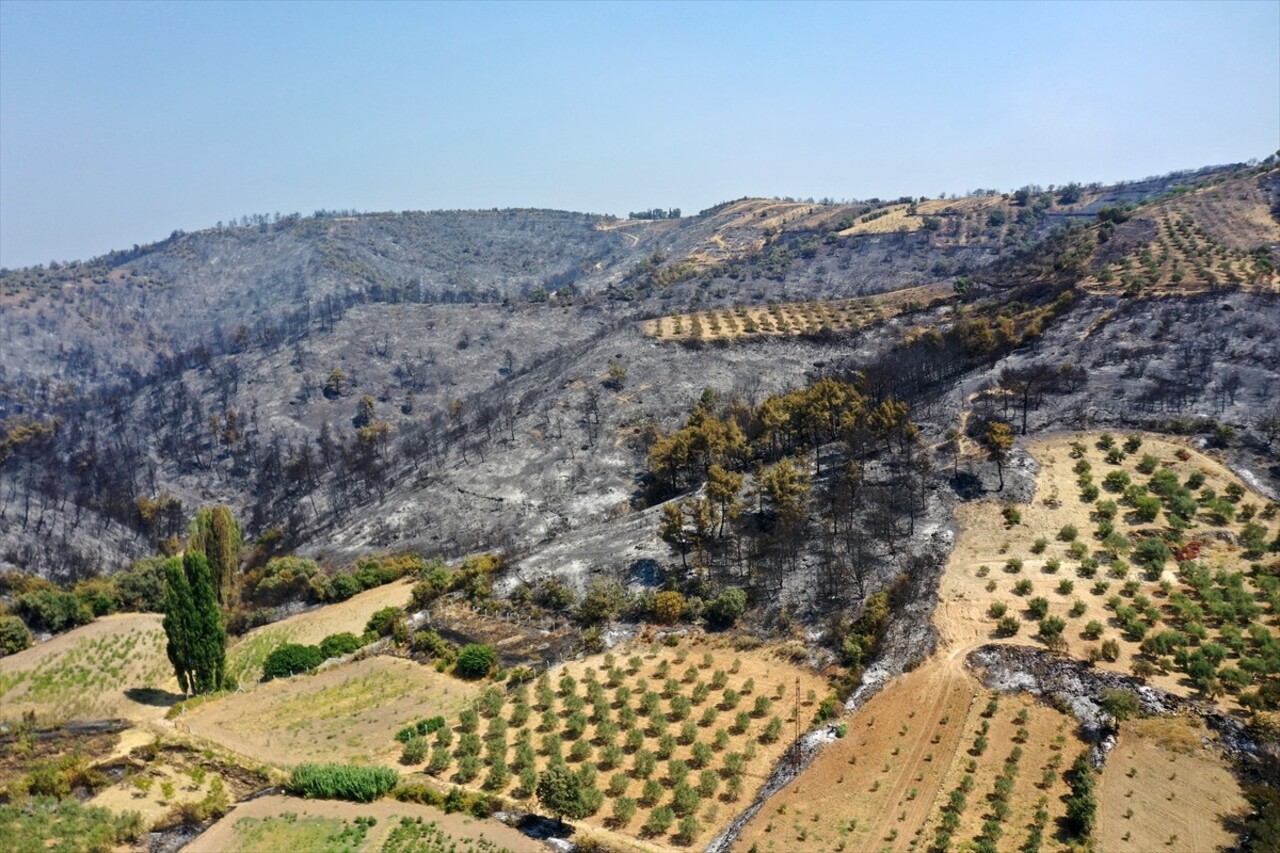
(289, 832)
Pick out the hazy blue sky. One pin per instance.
(121, 122)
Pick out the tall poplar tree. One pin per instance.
(197, 638)
(216, 532)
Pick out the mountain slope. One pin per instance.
(202, 369)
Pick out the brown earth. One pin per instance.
(1162, 789)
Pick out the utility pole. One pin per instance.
(795, 747)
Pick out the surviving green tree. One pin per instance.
(197, 639)
(561, 792)
(216, 532)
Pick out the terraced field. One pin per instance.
(794, 318)
(348, 713)
(1139, 553)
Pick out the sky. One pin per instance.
(120, 122)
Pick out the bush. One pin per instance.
(668, 607)
(341, 782)
(281, 580)
(383, 622)
(141, 586)
(728, 607)
(336, 645)
(476, 660)
(52, 610)
(772, 731)
(14, 636)
(414, 752)
(624, 809)
(1121, 704)
(1051, 628)
(337, 588)
(291, 659)
(432, 645)
(1152, 552)
(1007, 626)
(660, 820)
(98, 594)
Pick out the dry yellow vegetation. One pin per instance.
(1203, 239)
(794, 318)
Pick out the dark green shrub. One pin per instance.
(52, 610)
(431, 725)
(342, 587)
(476, 660)
(383, 622)
(1007, 626)
(433, 645)
(336, 645)
(415, 751)
(291, 659)
(14, 636)
(727, 608)
(282, 579)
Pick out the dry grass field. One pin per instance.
(96, 671)
(1163, 790)
(349, 713)
(885, 785)
(246, 654)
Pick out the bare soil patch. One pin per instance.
(1163, 790)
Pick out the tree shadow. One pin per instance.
(153, 696)
(645, 572)
(967, 486)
